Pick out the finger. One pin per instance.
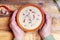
(17, 31)
(48, 18)
(13, 23)
(15, 27)
(44, 11)
(14, 15)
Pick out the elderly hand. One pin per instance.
(46, 30)
(18, 33)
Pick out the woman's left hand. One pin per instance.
(18, 33)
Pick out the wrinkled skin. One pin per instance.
(19, 34)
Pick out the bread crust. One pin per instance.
(6, 35)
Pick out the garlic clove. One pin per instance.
(3, 11)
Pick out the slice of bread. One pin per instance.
(4, 23)
(5, 35)
(32, 36)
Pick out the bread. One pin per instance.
(32, 36)
(4, 20)
(4, 23)
(5, 35)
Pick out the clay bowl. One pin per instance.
(30, 17)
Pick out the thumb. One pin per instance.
(14, 15)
